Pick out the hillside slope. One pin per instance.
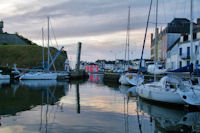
(27, 56)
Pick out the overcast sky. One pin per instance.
(99, 24)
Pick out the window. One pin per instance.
(196, 48)
(168, 54)
(188, 51)
(172, 65)
(188, 63)
(185, 38)
(197, 62)
(180, 51)
(194, 36)
(180, 64)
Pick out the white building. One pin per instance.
(178, 55)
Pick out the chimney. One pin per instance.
(1, 27)
(151, 37)
(198, 20)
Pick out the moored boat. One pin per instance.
(2, 76)
(130, 79)
(38, 76)
(170, 89)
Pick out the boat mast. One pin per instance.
(48, 42)
(42, 48)
(127, 37)
(145, 35)
(128, 29)
(191, 31)
(156, 41)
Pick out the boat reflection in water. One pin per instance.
(129, 91)
(4, 82)
(168, 119)
(49, 107)
(17, 97)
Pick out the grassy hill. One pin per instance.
(27, 56)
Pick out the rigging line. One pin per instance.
(54, 35)
(184, 6)
(52, 60)
(147, 24)
(175, 10)
(138, 118)
(163, 3)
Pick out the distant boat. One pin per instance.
(2, 76)
(131, 79)
(38, 76)
(155, 69)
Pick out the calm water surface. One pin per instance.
(85, 107)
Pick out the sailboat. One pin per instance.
(170, 89)
(3, 77)
(129, 78)
(43, 75)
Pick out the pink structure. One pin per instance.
(92, 68)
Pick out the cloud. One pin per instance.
(75, 20)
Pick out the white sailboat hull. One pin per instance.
(157, 93)
(2, 77)
(123, 80)
(191, 97)
(39, 76)
(130, 79)
(134, 81)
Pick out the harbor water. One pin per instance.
(86, 106)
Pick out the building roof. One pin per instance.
(173, 44)
(178, 25)
(14, 39)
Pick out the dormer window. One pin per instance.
(194, 36)
(185, 38)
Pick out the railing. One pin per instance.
(185, 56)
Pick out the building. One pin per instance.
(13, 39)
(167, 37)
(178, 54)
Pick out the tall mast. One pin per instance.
(48, 42)
(127, 37)
(156, 41)
(191, 31)
(42, 48)
(129, 10)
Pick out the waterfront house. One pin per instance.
(178, 54)
(167, 37)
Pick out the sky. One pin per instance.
(99, 24)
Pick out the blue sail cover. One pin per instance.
(187, 68)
